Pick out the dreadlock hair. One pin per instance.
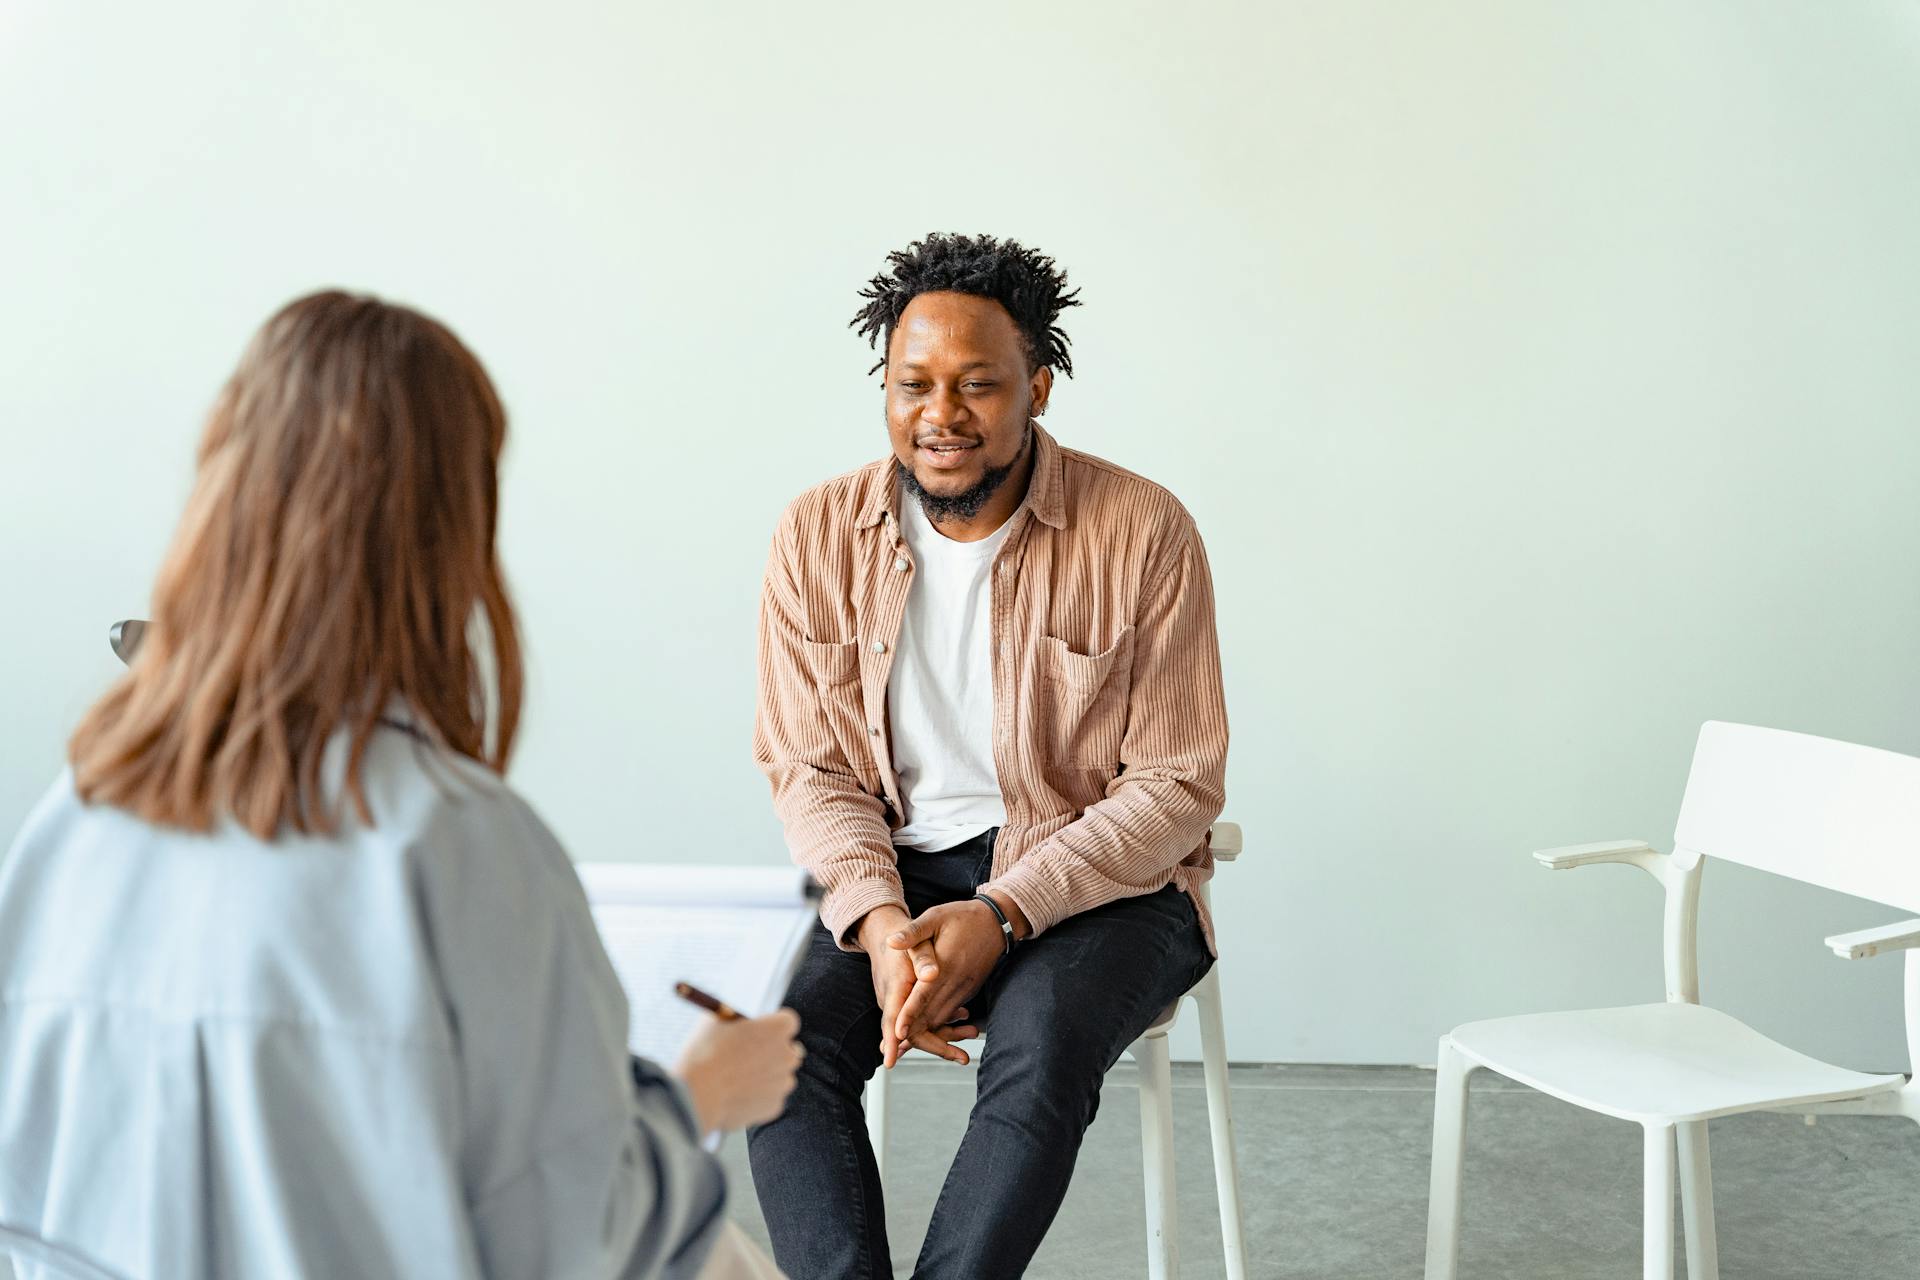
(1024, 281)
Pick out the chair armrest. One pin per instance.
(1570, 856)
(1223, 838)
(1871, 942)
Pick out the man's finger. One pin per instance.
(926, 966)
(928, 1042)
(890, 1047)
(921, 930)
(909, 1018)
(943, 1011)
(916, 1014)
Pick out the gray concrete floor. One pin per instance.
(1333, 1170)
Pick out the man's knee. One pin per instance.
(1044, 1072)
(845, 1061)
(839, 1021)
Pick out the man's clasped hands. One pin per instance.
(925, 968)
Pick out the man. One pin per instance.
(991, 714)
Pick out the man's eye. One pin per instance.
(980, 386)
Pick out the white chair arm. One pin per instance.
(1223, 838)
(1871, 942)
(1679, 877)
(1636, 852)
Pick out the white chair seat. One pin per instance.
(1164, 1023)
(1657, 1063)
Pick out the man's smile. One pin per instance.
(946, 453)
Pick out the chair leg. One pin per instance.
(1696, 1202)
(1657, 1204)
(1449, 1162)
(876, 1108)
(1156, 1148)
(1226, 1167)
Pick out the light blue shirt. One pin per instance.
(394, 1051)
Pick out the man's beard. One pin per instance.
(968, 503)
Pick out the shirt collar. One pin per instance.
(1046, 488)
(398, 713)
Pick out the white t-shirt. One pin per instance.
(940, 691)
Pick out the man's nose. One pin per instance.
(943, 409)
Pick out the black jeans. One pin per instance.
(1057, 1014)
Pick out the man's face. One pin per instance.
(959, 392)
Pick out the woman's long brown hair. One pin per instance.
(337, 553)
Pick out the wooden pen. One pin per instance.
(718, 1008)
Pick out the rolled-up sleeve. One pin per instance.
(1173, 757)
(835, 828)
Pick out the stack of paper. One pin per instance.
(733, 932)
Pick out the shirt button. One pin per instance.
(879, 646)
(900, 565)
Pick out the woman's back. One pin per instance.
(289, 986)
(393, 1050)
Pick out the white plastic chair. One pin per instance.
(1826, 813)
(1156, 1111)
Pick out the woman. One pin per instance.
(291, 982)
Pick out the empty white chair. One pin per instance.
(1150, 1054)
(1826, 813)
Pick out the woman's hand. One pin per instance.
(739, 1073)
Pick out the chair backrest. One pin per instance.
(26, 1256)
(124, 637)
(1822, 812)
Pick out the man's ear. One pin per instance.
(1041, 387)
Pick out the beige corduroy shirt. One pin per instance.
(1109, 724)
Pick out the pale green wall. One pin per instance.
(1542, 377)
